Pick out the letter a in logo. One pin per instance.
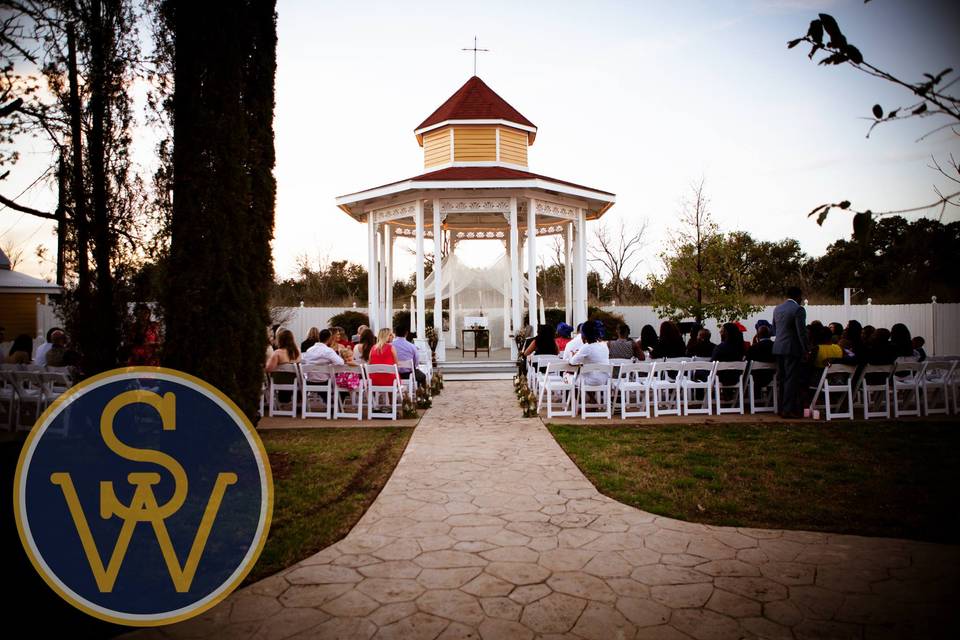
(143, 496)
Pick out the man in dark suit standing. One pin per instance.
(790, 347)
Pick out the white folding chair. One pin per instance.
(719, 387)
(379, 395)
(875, 389)
(28, 387)
(836, 378)
(906, 380)
(410, 382)
(537, 370)
(8, 395)
(559, 381)
(666, 387)
(633, 387)
(935, 386)
(953, 384)
(758, 392)
(603, 407)
(56, 381)
(316, 381)
(348, 402)
(278, 382)
(697, 376)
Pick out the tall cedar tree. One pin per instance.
(220, 268)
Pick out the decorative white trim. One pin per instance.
(546, 208)
(405, 210)
(508, 123)
(478, 163)
(521, 183)
(475, 205)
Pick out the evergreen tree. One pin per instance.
(220, 262)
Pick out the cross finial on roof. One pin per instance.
(475, 50)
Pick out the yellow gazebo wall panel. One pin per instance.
(474, 144)
(513, 146)
(18, 314)
(436, 147)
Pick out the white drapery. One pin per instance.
(476, 291)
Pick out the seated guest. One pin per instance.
(406, 350)
(701, 346)
(593, 351)
(867, 334)
(851, 341)
(669, 344)
(313, 337)
(544, 344)
(286, 352)
(321, 353)
(730, 349)
(918, 349)
(762, 348)
(762, 323)
(574, 345)
(361, 352)
(836, 331)
(359, 334)
(383, 353)
(762, 351)
(21, 350)
(648, 338)
(41, 357)
(564, 331)
(342, 338)
(58, 355)
(694, 335)
(827, 351)
(900, 339)
(623, 346)
(879, 351)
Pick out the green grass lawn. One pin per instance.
(869, 478)
(324, 480)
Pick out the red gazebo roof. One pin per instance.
(475, 101)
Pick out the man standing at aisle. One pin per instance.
(790, 347)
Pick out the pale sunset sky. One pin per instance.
(637, 98)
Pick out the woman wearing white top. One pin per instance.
(593, 351)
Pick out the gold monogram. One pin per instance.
(143, 506)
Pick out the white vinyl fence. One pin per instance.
(938, 323)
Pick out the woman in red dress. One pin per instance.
(383, 353)
(144, 339)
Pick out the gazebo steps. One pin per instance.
(478, 369)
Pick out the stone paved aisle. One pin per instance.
(487, 529)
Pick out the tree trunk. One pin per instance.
(106, 338)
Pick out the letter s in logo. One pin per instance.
(143, 496)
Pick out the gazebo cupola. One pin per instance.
(475, 127)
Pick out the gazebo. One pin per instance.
(476, 186)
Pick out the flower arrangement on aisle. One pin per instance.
(436, 382)
(525, 397)
(424, 400)
(408, 409)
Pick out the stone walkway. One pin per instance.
(488, 530)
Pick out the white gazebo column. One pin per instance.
(388, 259)
(421, 327)
(514, 276)
(568, 272)
(438, 281)
(452, 295)
(382, 275)
(373, 302)
(532, 261)
(580, 270)
(505, 288)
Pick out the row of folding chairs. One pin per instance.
(678, 386)
(322, 391)
(906, 388)
(32, 387)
